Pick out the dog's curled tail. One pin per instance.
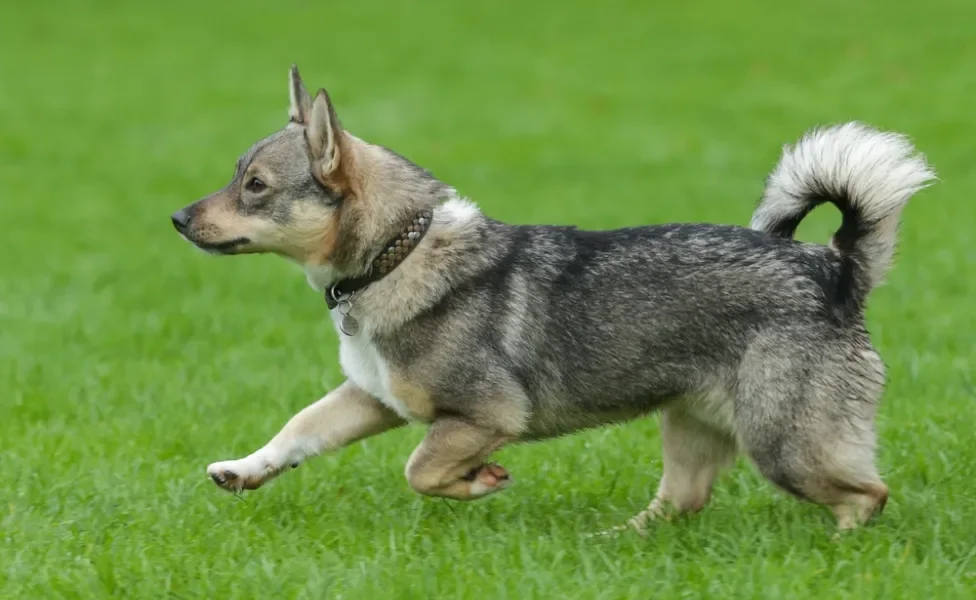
(869, 175)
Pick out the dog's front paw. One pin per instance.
(487, 479)
(243, 474)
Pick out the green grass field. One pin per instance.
(129, 361)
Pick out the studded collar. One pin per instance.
(384, 263)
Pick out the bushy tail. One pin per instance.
(868, 175)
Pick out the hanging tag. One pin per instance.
(348, 323)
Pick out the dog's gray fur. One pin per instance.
(494, 333)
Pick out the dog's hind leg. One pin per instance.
(343, 416)
(694, 453)
(450, 462)
(837, 474)
(810, 430)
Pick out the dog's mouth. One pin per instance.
(228, 247)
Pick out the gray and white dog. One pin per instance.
(489, 333)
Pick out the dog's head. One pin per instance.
(312, 192)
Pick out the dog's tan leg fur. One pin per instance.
(694, 454)
(343, 416)
(857, 508)
(450, 461)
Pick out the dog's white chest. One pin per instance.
(364, 366)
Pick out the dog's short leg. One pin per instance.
(829, 472)
(694, 454)
(450, 462)
(857, 507)
(810, 429)
(827, 469)
(343, 416)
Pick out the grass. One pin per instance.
(128, 361)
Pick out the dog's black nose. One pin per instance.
(181, 219)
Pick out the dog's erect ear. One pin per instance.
(324, 134)
(301, 102)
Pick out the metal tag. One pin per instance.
(349, 325)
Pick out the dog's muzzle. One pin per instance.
(181, 221)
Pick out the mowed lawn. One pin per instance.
(129, 361)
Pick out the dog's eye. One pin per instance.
(255, 184)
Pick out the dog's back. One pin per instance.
(597, 323)
(599, 326)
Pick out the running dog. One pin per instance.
(744, 339)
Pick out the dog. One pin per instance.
(743, 339)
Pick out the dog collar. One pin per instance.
(390, 258)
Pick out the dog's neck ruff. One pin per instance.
(390, 258)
